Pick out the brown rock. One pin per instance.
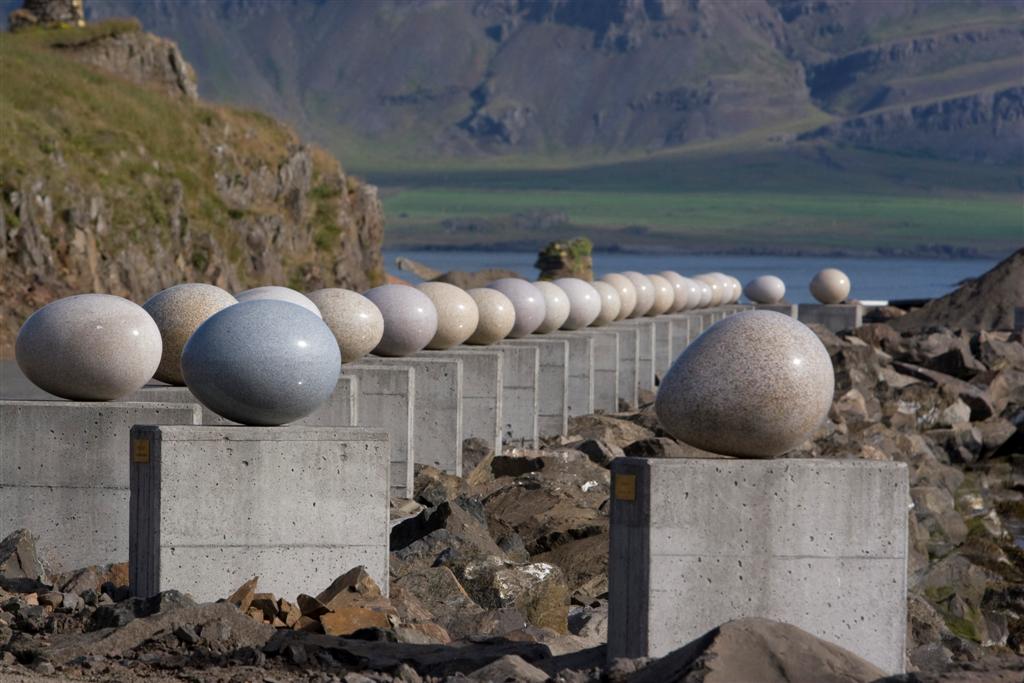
(345, 621)
(242, 598)
(537, 589)
(436, 590)
(308, 624)
(423, 633)
(584, 562)
(310, 606)
(613, 431)
(288, 612)
(509, 668)
(267, 604)
(566, 259)
(350, 588)
(545, 518)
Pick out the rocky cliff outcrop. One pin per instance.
(109, 186)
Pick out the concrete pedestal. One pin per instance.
(340, 411)
(820, 544)
(482, 376)
(580, 393)
(629, 349)
(438, 414)
(211, 507)
(552, 383)
(834, 317)
(64, 477)
(387, 399)
(784, 309)
(520, 369)
(645, 350)
(662, 345)
(606, 368)
(680, 334)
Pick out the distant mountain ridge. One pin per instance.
(486, 77)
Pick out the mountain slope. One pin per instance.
(126, 184)
(594, 77)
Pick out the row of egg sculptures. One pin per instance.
(829, 286)
(272, 355)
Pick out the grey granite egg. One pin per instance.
(644, 293)
(90, 347)
(178, 311)
(527, 301)
(355, 321)
(765, 289)
(277, 293)
(410, 319)
(627, 293)
(830, 286)
(584, 302)
(611, 303)
(497, 316)
(263, 362)
(556, 306)
(756, 384)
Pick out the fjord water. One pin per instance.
(872, 278)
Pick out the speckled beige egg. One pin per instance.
(664, 295)
(626, 291)
(178, 312)
(556, 306)
(356, 321)
(679, 289)
(830, 286)
(756, 384)
(457, 314)
(611, 303)
(90, 347)
(717, 290)
(497, 316)
(644, 293)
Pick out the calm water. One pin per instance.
(873, 278)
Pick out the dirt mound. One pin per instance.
(985, 303)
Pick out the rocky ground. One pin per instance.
(502, 574)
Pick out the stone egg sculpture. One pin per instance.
(611, 303)
(644, 293)
(527, 301)
(497, 316)
(354, 320)
(732, 288)
(693, 294)
(90, 347)
(664, 295)
(556, 306)
(679, 289)
(705, 293)
(737, 289)
(410, 319)
(178, 311)
(276, 293)
(717, 289)
(756, 384)
(765, 289)
(584, 302)
(830, 286)
(626, 291)
(265, 362)
(457, 314)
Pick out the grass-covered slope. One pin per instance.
(111, 185)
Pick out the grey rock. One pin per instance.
(509, 669)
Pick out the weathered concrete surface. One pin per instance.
(662, 345)
(387, 399)
(680, 335)
(519, 407)
(438, 411)
(341, 410)
(821, 544)
(580, 393)
(552, 383)
(784, 309)
(297, 506)
(645, 350)
(629, 349)
(482, 380)
(606, 367)
(834, 317)
(63, 474)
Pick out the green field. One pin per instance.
(798, 196)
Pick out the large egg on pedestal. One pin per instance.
(765, 289)
(644, 293)
(830, 286)
(756, 384)
(178, 311)
(611, 303)
(457, 314)
(664, 295)
(90, 347)
(584, 302)
(626, 291)
(410, 319)
(275, 293)
(356, 321)
(527, 301)
(556, 306)
(497, 316)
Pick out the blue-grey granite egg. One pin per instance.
(263, 362)
(90, 347)
(410, 319)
